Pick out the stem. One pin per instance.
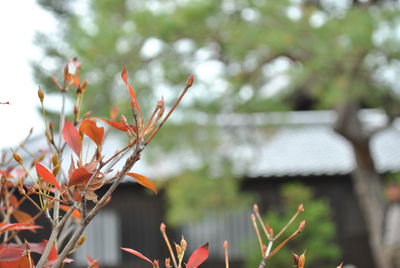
(287, 225)
(78, 232)
(53, 238)
(253, 219)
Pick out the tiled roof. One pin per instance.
(280, 144)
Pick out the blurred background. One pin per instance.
(293, 102)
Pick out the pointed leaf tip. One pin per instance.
(144, 181)
(72, 137)
(46, 175)
(199, 256)
(138, 254)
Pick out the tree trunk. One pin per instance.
(367, 182)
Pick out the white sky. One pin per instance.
(18, 23)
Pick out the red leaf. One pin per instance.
(89, 128)
(10, 254)
(93, 263)
(23, 262)
(138, 254)
(79, 176)
(124, 76)
(46, 175)
(19, 227)
(71, 137)
(75, 213)
(144, 181)
(198, 257)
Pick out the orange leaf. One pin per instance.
(71, 137)
(137, 253)
(22, 217)
(199, 256)
(124, 76)
(79, 176)
(89, 128)
(46, 175)
(19, 227)
(115, 124)
(144, 181)
(75, 213)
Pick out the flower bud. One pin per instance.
(41, 95)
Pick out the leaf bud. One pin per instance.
(226, 244)
(189, 81)
(302, 225)
(84, 85)
(179, 251)
(302, 260)
(340, 265)
(300, 208)
(55, 170)
(183, 244)
(167, 263)
(295, 259)
(255, 208)
(81, 240)
(54, 159)
(163, 227)
(17, 158)
(155, 264)
(41, 95)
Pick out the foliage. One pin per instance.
(318, 240)
(63, 194)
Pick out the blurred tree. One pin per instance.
(248, 56)
(318, 239)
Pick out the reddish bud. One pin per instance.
(253, 217)
(155, 264)
(190, 80)
(255, 208)
(226, 244)
(300, 208)
(163, 227)
(269, 229)
(264, 249)
(302, 225)
(295, 259)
